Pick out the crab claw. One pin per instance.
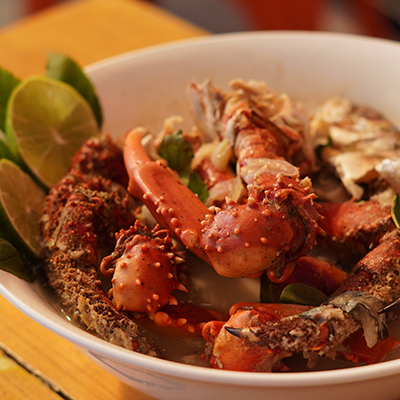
(241, 240)
(141, 268)
(233, 350)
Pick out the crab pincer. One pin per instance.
(267, 232)
(228, 348)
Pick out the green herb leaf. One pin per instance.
(197, 186)
(7, 83)
(396, 211)
(10, 261)
(178, 153)
(300, 293)
(67, 70)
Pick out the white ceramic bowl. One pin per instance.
(144, 87)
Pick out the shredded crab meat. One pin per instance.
(256, 167)
(389, 169)
(356, 141)
(232, 188)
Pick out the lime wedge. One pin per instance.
(21, 205)
(46, 122)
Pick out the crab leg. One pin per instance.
(172, 204)
(81, 217)
(351, 229)
(72, 246)
(316, 273)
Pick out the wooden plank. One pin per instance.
(58, 360)
(88, 31)
(17, 383)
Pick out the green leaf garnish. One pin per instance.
(67, 70)
(179, 154)
(197, 186)
(396, 211)
(10, 261)
(7, 83)
(300, 293)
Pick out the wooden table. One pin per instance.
(34, 362)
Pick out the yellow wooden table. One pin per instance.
(34, 362)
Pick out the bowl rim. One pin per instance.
(219, 38)
(174, 369)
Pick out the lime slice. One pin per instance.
(21, 205)
(5, 151)
(46, 123)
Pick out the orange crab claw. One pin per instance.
(270, 231)
(237, 354)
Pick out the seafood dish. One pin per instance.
(304, 204)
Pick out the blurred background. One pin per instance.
(380, 18)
